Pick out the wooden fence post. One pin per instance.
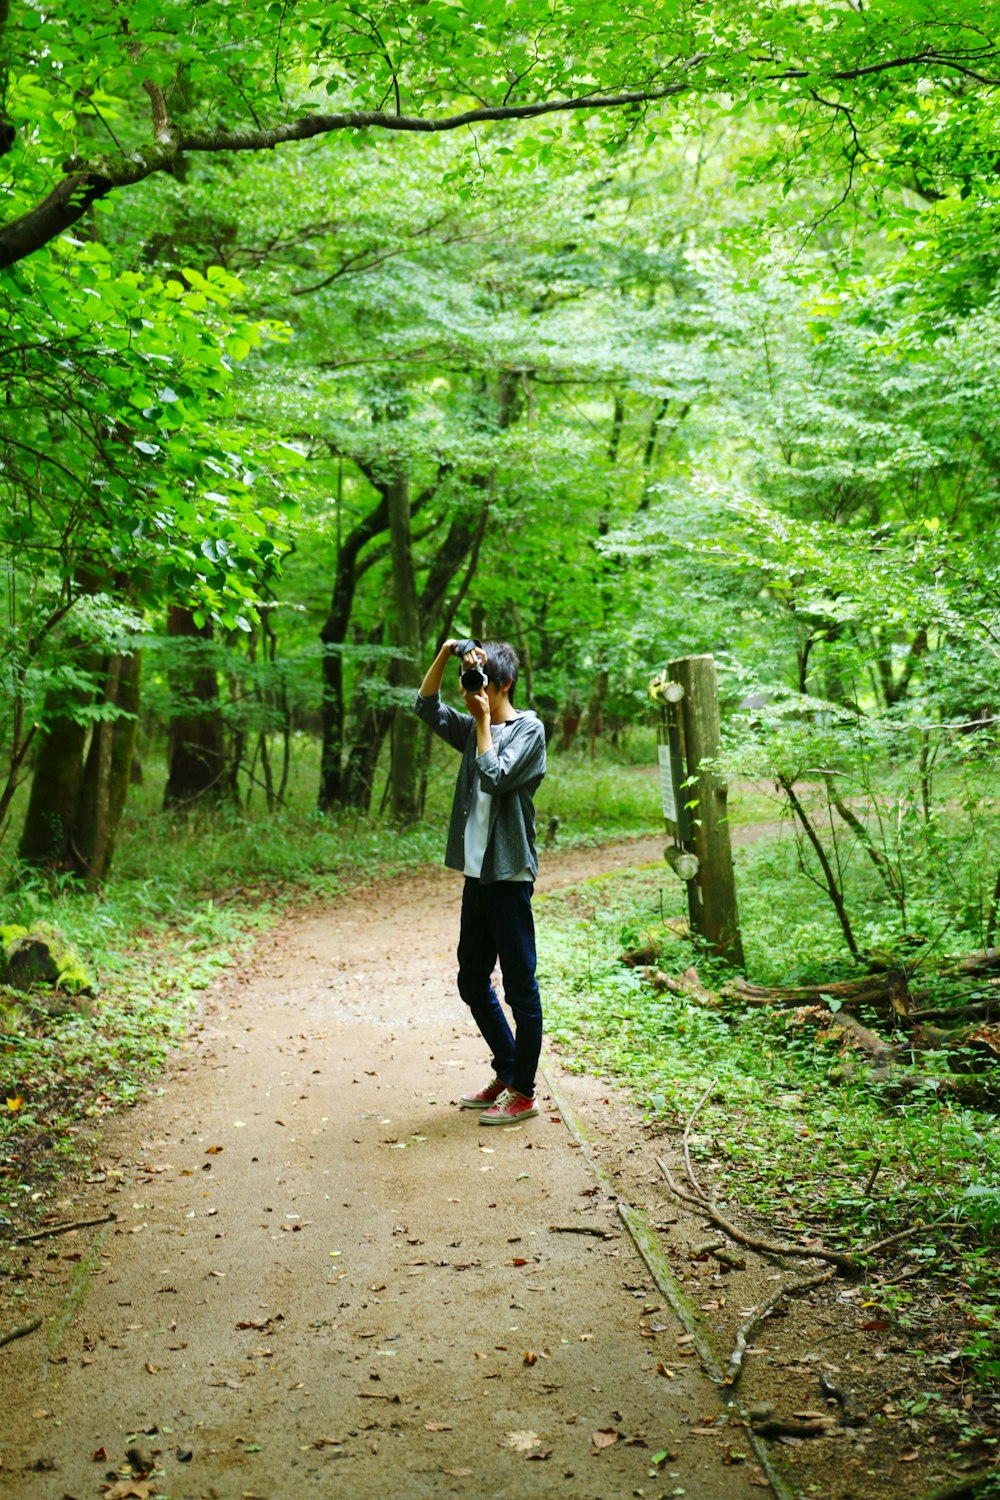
(699, 714)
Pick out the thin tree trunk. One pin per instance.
(833, 890)
(93, 859)
(875, 854)
(994, 916)
(359, 775)
(196, 754)
(404, 772)
(333, 635)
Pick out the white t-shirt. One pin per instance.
(477, 824)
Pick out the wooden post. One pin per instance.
(699, 713)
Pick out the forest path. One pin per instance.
(326, 1278)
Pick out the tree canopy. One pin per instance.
(100, 99)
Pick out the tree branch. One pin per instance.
(86, 182)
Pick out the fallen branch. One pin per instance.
(977, 1090)
(873, 989)
(794, 1427)
(977, 962)
(845, 1263)
(908, 1234)
(976, 1010)
(45, 1234)
(20, 1331)
(597, 1232)
(735, 1367)
(687, 1140)
(870, 1041)
(961, 1488)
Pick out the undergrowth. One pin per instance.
(782, 1133)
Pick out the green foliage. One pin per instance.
(803, 1144)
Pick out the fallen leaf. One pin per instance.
(130, 1489)
(15, 1103)
(213, 1150)
(152, 1369)
(530, 1358)
(40, 1412)
(661, 1369)
(325, 1442)
(521, 1442)
(605, 1437)
(909, 1456)
(458, 1473)
(438, 1426)
(540, 1456)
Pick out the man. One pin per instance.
(491, 839)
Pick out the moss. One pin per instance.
(10, 935)
(13, 1016)
(71, 976)
(74, 976)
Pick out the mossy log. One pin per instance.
(29, 959)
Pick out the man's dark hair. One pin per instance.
(501, 665)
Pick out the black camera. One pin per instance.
(474, 678)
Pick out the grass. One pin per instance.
(782, 1131)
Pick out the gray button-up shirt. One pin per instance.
(509, 778)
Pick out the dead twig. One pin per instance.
(906, 1234)
(794, 1427)
(45, 1234)
(687, 1140)
(20, 1331)
(596, 1231)
(846, 1263)
(746, 1329)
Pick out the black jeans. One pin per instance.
(497, 923)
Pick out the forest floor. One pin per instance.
(322, 1276)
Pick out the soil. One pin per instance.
(324, 1277)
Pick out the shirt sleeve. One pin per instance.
(452, 726)
(520, 762)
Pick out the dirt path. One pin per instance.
(325, 1278)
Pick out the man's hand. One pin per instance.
(478, 705)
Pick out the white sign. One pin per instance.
(667, 785)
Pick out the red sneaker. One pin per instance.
(509, 1109)
(486, 1096)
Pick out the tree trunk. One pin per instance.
(359, 776)
(404, 772)
(196, 755)
(53, 802)
(107, 774)
(126, 730)
(592, 720)
(89, 843)
(333, 635)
